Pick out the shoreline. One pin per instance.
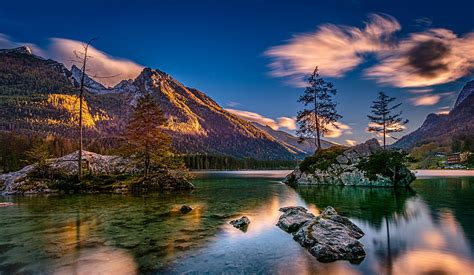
(424, 173)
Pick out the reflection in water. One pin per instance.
(424, 230)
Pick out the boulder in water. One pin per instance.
(241, 223)
(329, 236)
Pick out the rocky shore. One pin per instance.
(328, 237)
(102, 174)
(345, 170)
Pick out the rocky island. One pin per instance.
(105, 173)
(329, 236)
(365, 164)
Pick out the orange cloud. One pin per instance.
(101, 63)
(425, 100)
(335, 49)
(287, 122)
(338, 130)
(427, 58)
(351, 142)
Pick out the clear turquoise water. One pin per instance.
(430, 229)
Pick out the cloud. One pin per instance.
(232, 104)
(254, 117)
(428, 58)
(420, 59)
(338, 130)
(276, 124)
(379, 134)
(420, 91)
(443, 110)
(351, 142)
(287, 122)
(100, 63)
(334, 49)
(6, 42)
(425, 100)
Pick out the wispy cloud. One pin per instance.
(335, 49)
(281, 122)
(351, 142)
(433, 57)
(101, 63)
(421, 59)
(232, 104)
(443, 110)
(339, 130)
(288, 123)
(420, 91)
(425, 100)
(429, 99)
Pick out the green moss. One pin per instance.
(322, 159)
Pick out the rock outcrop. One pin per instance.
(344, 170)
(242, 223)
(25, 181)
(185, 209)
(329, 236)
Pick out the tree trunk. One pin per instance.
(316, 119)
(81, 96)
(384, 133)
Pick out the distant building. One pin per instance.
(454, 158)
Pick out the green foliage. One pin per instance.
(463, 143)
(385, 162)
(322, 159)
(383, 120)
(320, 110)
(147, 143)
(425, 156)
(18, 149)
(469, 161)
(216, 162)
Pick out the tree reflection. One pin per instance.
(368, 204)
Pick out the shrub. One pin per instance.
(387, 163)
(322, 159)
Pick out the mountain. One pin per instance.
(306, 147)
(444, 129)
(40, 96)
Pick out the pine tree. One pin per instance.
(147, 143)
(320, 109)
(383, 120)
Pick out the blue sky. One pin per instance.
(221, 48)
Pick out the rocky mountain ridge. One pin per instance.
(49, 104)
(444, 128)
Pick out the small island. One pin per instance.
(366, 164)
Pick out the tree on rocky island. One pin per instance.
(147, 143)
(320, 109)
(383, 120)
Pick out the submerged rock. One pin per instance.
(241, 223)
(185, 209)
(329, 236)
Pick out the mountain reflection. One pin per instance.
(415, 231)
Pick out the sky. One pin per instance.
(252, 56)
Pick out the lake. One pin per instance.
(428, 229)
